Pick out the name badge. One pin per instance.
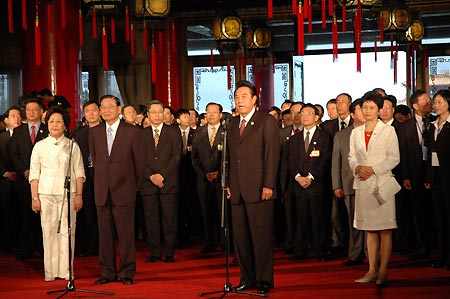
(189, 148)
(434, 159)
(315, 154)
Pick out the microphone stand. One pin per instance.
(228, 287)
(71, 284)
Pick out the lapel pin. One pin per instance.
(252, 123)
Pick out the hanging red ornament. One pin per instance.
(127, 24)
(294, 7)
(335, 38)
(243, 63)
(392, 47)
(132, 39)
(358, 39)
(310, 27)
(228, 75)
(263, 66)
(306, 14)
(37, 38)
(381, 28)
(63, 14)
(144, 36)
(113, 31)
(211, 59)
(270, 8)
(173, 35)
(413, 47)
(408, 68)
(49, 20)
(24, 14)
(80, 27)
(104, 46)
(395, 69)
(10, 17)
(94, 23)
(344, 18)
(153, 58)
(300, 31)
(324, 15)
(330, 8)
(375, 48)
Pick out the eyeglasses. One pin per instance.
(307, 113)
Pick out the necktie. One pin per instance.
(156, 137)
(213, 136)
(342, 125)
(296, 131)
(33, 134)
(307, 141)
(242, 127)
(109, 140)
(184, 141)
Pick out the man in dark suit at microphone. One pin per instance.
(117, 154)
(254, 151)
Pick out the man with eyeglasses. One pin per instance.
(23, 140)
(117, 155)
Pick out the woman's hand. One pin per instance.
(364, 172)
(78, 203)
(36, 205)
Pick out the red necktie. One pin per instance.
(33, 134)
(296, 131)
(242, 127)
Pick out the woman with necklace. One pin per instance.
(438, 178)
(373, 154)
(48, 169)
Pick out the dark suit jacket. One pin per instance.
(164, 160)
(302, 163)
(81, 136)
(21, 147)
(442, 148)
(283, 176)
(120, 173)
(6, 164)
(333, 125)
(254, 157)
(204, 158)
(410, 153)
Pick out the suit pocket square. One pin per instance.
(386, 190)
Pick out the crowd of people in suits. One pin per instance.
(152, 173)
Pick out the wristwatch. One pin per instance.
(35, 198)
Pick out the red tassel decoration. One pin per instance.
(375, 48)
(49, 13)
(300, 31)
(153, 56)
(132, 39)
(413, 47)
(37, 39)
(94, 23)
(24, 14)
(113, 31)
(10, 17)
(392, 47)
(144, 36)
(306, 14)
(270, 9)
(408, 68)
(335, 38)
(344, 18)
(104, 47)
(211, 59)
(80, 27)
(395, 69)
(228, 75)
(294, 7)
(127, 24)
(324, 15)
(381, 28)
(358, 19)
(331, 8)
(63, 14)
(310, 16)
(263, 66)
(244, 63)
(173, 36)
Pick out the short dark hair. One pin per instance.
(245, 83)
(274, 108)
(445, 94)
(109, 96)
(35, 100)
(403, 110)
(192, 109)
(357, 102)
(331, 101)
(391, 99)
(155, 102)
(140, 109)
(287, 111)
(59, 110)
(373, 96)
(415, 97)
(90, 103)
(214, 104)
(309, 105)
(320, 107)
(379, 89)
(45, 92)
(180, 112)
(129, 105)
(349, 97)
(297, 103)
(6, 114)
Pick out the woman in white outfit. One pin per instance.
(373, 154)
(48, 169)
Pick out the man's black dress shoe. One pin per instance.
(352, 263)
(153, 259)
(169, 259)
(127, 281)
(104, 280)
(234, 261)
(263, 287)
(298, 257)
(242, 287)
